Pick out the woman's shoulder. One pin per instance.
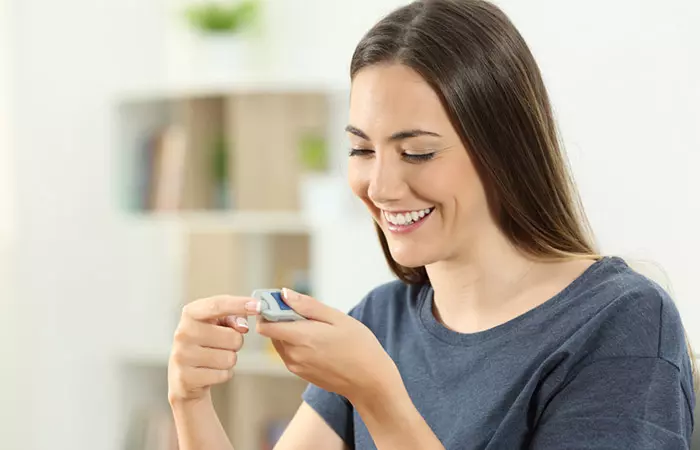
(632, 315)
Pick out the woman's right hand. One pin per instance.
(205, 346)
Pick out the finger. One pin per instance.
(216, 307)
(197, 377)
(206, 358)
(208, 335)
(295, 333)
(238, 323)
(309, 307)
(279, 346)
(287, 352)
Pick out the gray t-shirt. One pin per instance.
(601, 365)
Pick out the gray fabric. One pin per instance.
(602, 365)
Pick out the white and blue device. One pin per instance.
(273, 307)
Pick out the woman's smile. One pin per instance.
(406, 221)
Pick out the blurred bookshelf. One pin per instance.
(221, 169)
(241, 152)
(225, 188)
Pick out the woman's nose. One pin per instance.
(386, 183)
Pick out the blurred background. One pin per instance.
(157, 151)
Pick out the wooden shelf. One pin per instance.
(259, 363)
(208, 151)
(251, 362)
(230, 222)
(211, 177)
(242, 85)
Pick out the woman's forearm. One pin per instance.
(198, 426)
(393, 420)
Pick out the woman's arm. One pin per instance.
(308, 431)
(198, 426)
(339, 354)
(391, 417)
(205, 346)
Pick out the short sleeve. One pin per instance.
(619, 403)
(336, 410)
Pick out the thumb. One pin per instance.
(309, 307)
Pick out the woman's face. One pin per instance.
(409, 166)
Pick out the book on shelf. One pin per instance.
(170, 170)
(161, 169)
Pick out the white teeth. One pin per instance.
(406, 218)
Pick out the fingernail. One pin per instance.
(287, 293)
(253, 307)
(241, 322)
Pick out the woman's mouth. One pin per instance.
(406, 221)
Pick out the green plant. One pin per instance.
(219, 166)
(220, 171)
(312, 149)
(222, 17)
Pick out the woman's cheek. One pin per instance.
(358, 182)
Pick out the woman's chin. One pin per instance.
(410, 259)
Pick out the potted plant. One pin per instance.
(313, 153)
(220, 173)
(219, 26)
(320, 190)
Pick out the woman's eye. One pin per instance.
(419, 157)
(409, 157)
(361, 152)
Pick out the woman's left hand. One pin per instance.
(331, 350)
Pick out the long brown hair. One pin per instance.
(491, 87)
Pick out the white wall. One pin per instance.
(7, 200)
(13, 411)
(6, 129)
(69, 58)
(624, 77)
(625, 80)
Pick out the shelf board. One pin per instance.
(250, 362)
(231, 222)
(259, 363)
(241, 85)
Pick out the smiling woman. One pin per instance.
(505, 329)
(480, 129)
(455, 153)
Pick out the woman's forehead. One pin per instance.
(388, 98)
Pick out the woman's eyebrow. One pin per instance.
(357, 132)
(407, 134)
(398, 136)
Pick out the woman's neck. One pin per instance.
(472, 289)
(495, 282)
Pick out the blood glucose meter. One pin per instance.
(273, 307)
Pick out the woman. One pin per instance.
(505, 329)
